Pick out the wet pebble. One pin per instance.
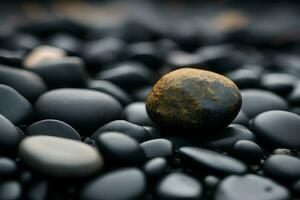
(247, 151)
(60, 157)
(158, 148)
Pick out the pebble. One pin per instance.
(158, 148)
(128, 76)
(69, 105)
(155, 168)
(211, 161)
(10, 97)
(62, 73)
(121, 184)
(267, 101)
(60, 157)
(42, 54)
(52, 127)
(211, 181)
(239, 187)
(10, 190)
(277, 129)
(137, 132)
(247, 151)
(28, 84)
(279, 83)
(136, 113)
(193, 99)
(245, 78)
(226, 138)
(283, 167)
(111, 89)
(178, 186)
(8, 167)
(10, 137)
(119, 149)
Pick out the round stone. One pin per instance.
(155, 168)
(247, 151)
(10, 190)
(158, 148)
(211, 161)
(119, 149)
(193, 99)
(85, 110)
(277, 129)
(283, 167)
(178, 186)
(249, 187)
(135, 131)
(8, 167)
(60, 157)
(279, 83)
(14, 106)
(122, 184)
(52, 127)
(267, 101)
(136, 113)
(10, 137)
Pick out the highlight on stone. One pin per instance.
(193, 99)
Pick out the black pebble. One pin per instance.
(14, 106)
(28, 84)
(122, 184)
(136, 113)
(52, 127)
(135, 131)
(279, 83)
(158, 148)
(10, 137)
(226, 138)
(250, 187)
(283, 167)
(119, 149)
(85, 110)
(155, 168)
(210, 161)
(277, 129)
(8, 167)
(10, 190)
(247, 151)
(267, 101)
(179, 186)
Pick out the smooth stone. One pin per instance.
(155, 168)
(8, 167)
(122, 184)
(111, 89)
(119, 149)
(42, 54)
(178, 186)
(245, 78)
(241, 118)
(267, 101)
(158, 148)
(277, 129)
(28, 84)
(294, 96)
(85, 110)
(136, 113)
(211, 161)
(247, 151)
(128, 76)
(62, 73)
(10, 137)
(279, 83)
(21, 111)
(226, 138)
(211, 181)
(52, 127)
(137, 132)
(249, 187)
(60, 157)
(282, 167)
(10, 190)
(193, 99)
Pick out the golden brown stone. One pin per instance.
(193, 99)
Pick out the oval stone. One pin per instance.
(85, 110)
(193, 99)
(60, 157)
